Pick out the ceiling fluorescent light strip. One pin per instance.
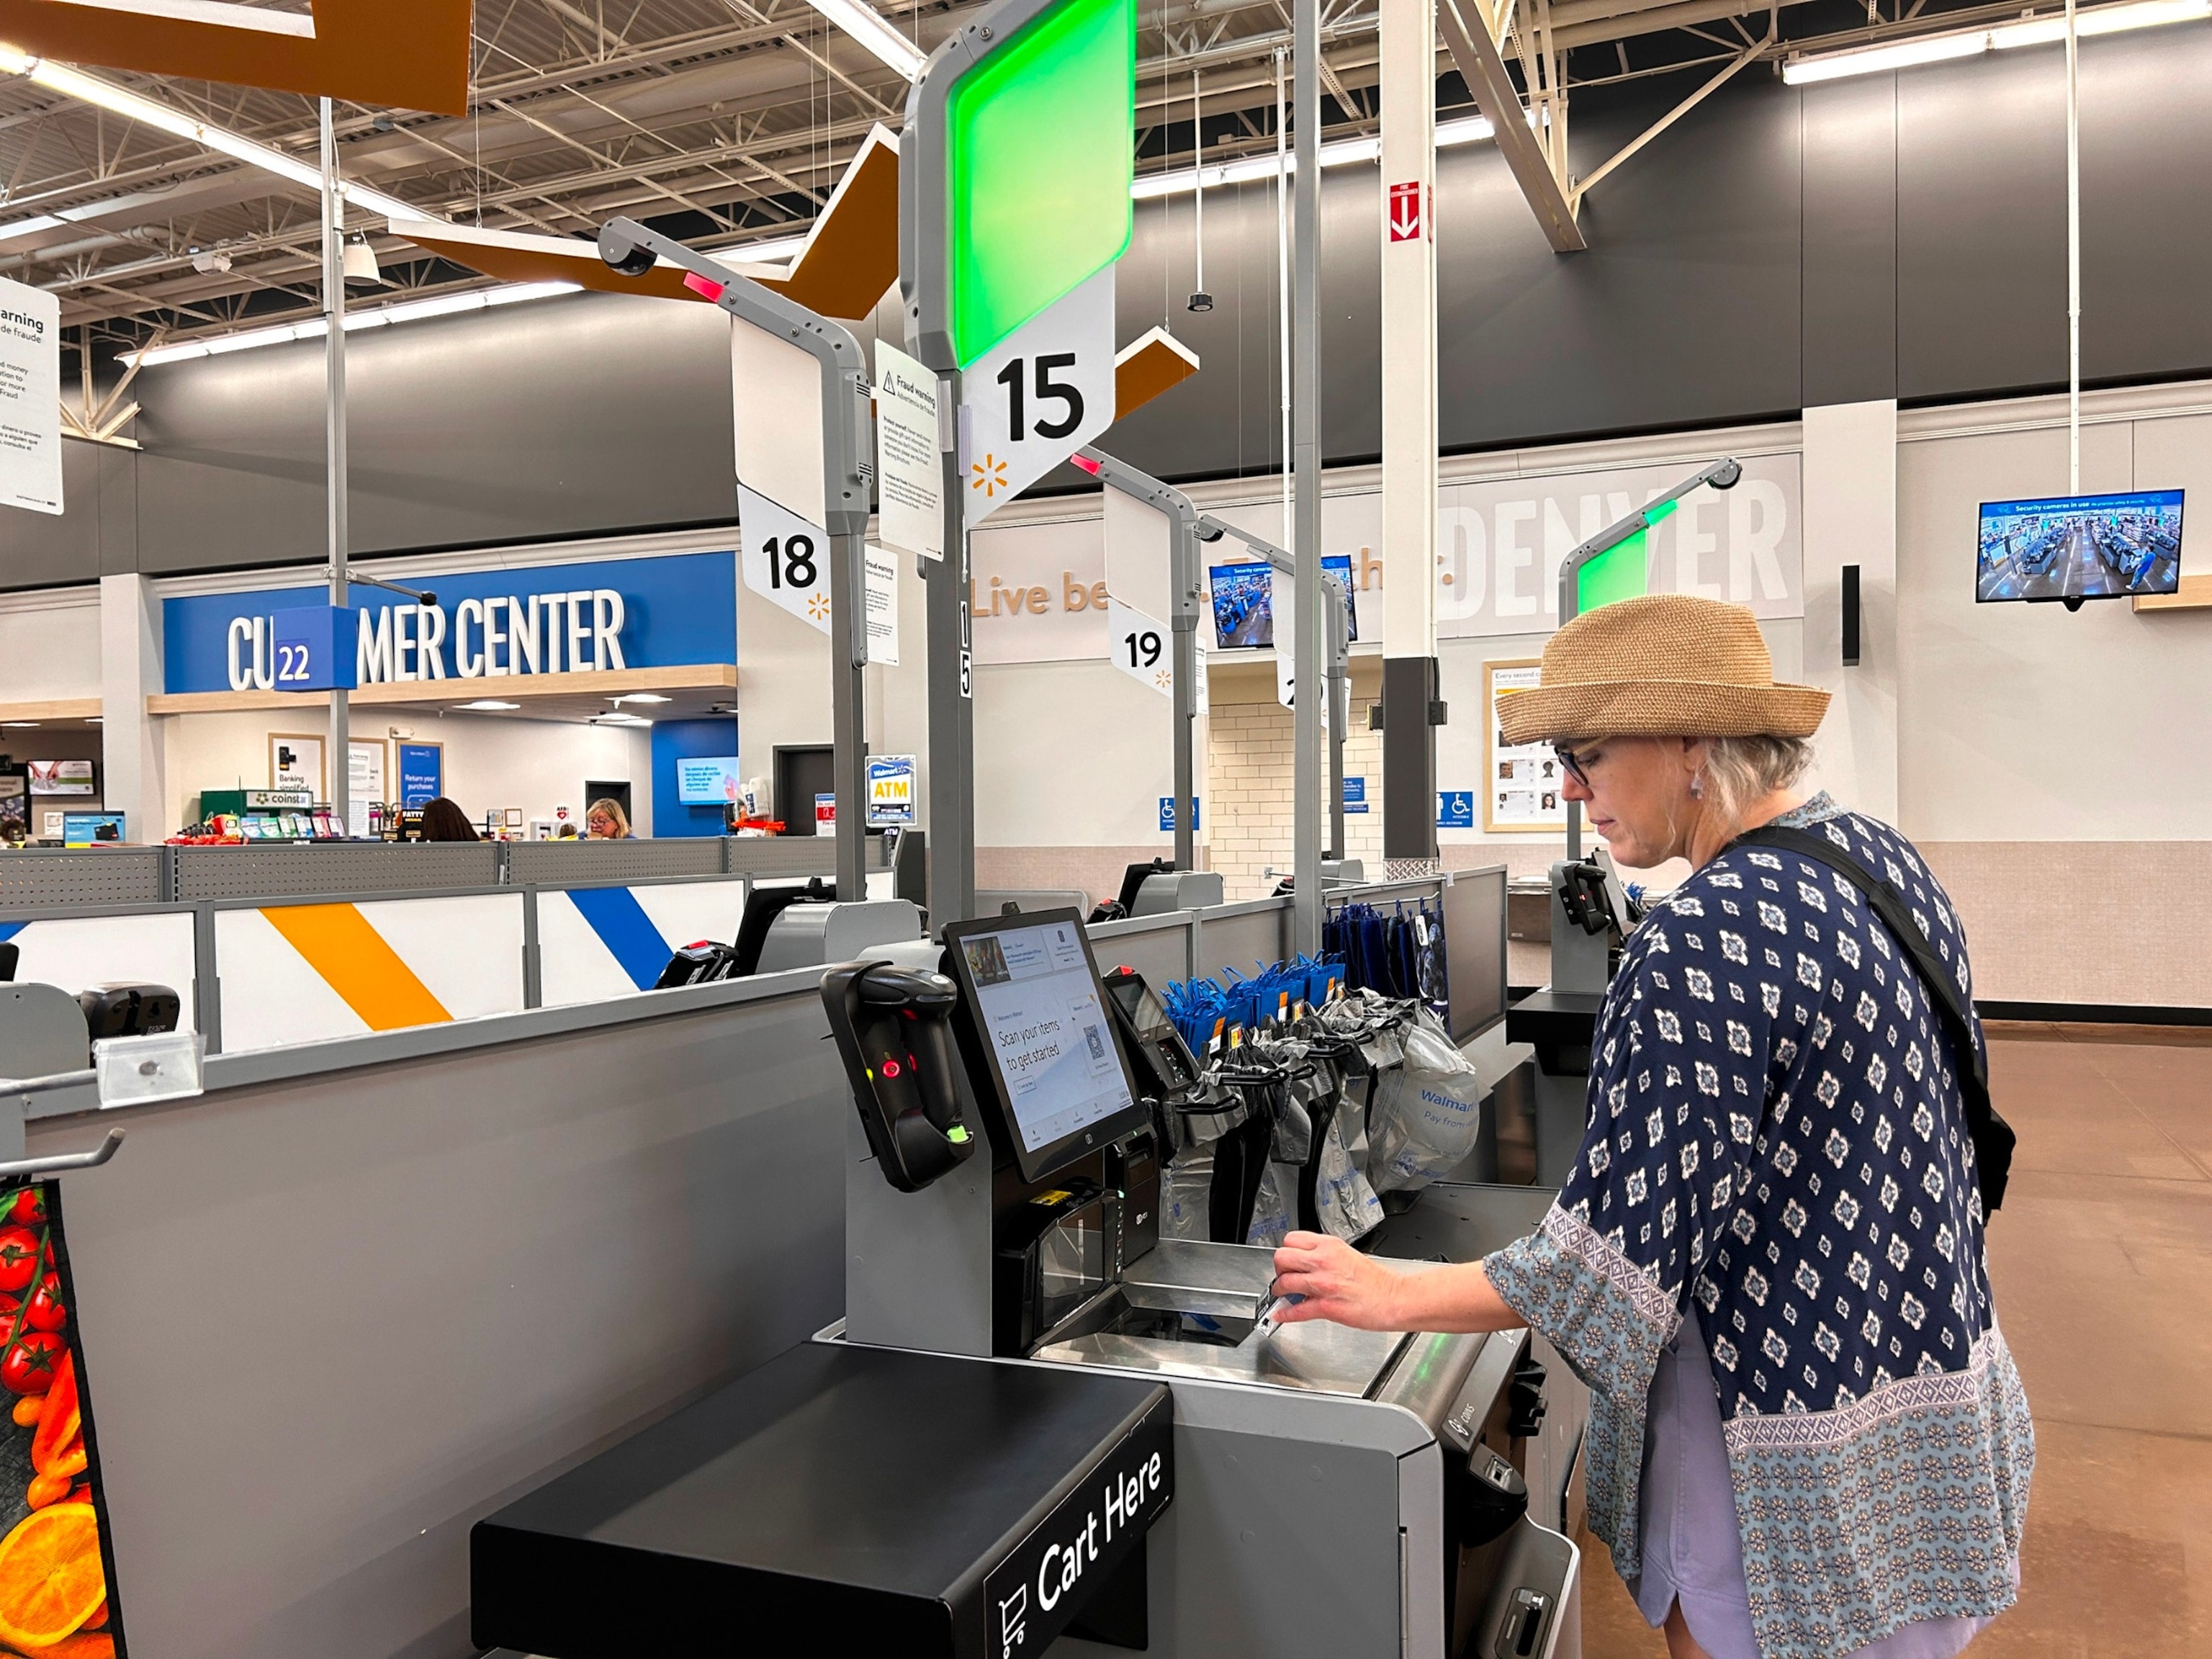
(1467, 130)
(314, 328)
(121, 100)
(2029, 32)
(867, 28)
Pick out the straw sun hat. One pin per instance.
(1666, 665)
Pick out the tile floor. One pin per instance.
(2102, 1263)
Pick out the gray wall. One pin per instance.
(1899, 235)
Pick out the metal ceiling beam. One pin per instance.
(1470, 35)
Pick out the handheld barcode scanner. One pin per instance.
(893, 1027)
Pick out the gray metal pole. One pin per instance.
(847, 466)
(849, 635)
(1305, 514)
(951, 704)
(1182, 621)
(337, 764)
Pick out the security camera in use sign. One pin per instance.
(1038, 1591)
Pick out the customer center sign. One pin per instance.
(676, 609)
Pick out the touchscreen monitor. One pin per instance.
(1038, 1015)
(2080, 547)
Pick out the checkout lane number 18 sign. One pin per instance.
(786, 559)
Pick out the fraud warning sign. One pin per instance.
(56, 1565)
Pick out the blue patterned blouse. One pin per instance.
(1776, 1128)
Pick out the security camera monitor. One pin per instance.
(2080, 547)
(1339, 566)
(1243, 605)
(1041, 1037)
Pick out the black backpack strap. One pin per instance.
(1992, 1136)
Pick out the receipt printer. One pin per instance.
(893, 1027)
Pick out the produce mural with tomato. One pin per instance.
(55, 1597)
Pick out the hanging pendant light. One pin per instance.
(361, 268)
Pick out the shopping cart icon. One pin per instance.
(1013, 1625)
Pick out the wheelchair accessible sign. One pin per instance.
(1455, 809)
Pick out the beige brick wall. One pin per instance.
(1245, 821)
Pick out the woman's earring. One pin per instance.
(1698, 787)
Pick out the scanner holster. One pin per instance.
(894, 1028)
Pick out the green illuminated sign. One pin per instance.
(1041, 147)
(1618, 573)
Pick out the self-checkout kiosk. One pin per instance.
(1305, 1490)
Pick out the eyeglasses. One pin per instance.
(1573, 762)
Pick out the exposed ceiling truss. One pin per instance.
(728, 121)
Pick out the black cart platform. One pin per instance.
(844, 1499)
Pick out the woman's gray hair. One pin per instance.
(1740, 770)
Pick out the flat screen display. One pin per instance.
(1245, 601)
(709, 781)
(91, 829)
(2080, 547)
(1041, 1017)
(61, 777)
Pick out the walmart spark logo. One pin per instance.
(990, 475)
(818, 606)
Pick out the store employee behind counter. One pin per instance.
(1807, 1436)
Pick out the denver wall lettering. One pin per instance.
(1499, 544)
(678, 610)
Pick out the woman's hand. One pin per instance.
(1339, 1284)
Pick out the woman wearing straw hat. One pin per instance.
(1808, 1439)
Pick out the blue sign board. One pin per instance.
(312, 649)
(1455, 809)
(422, 773)
(665, 612)
(1166, 814)
(1355, 795)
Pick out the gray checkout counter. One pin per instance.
(1041, 1427)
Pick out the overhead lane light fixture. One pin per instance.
(1971, 43)
(314, 328)
(867, 28)
(1467, 130)
(121, 100)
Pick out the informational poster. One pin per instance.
(883, 606)
(365, 773)
(15, 807)
(909, 470)
(30, 397)
(1519, 782)
(1355, 795)
(61, 777)
(422, 773)
(57, 1596)
(295, 760)
(825, 815)
(890, 790)
(785, 559)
